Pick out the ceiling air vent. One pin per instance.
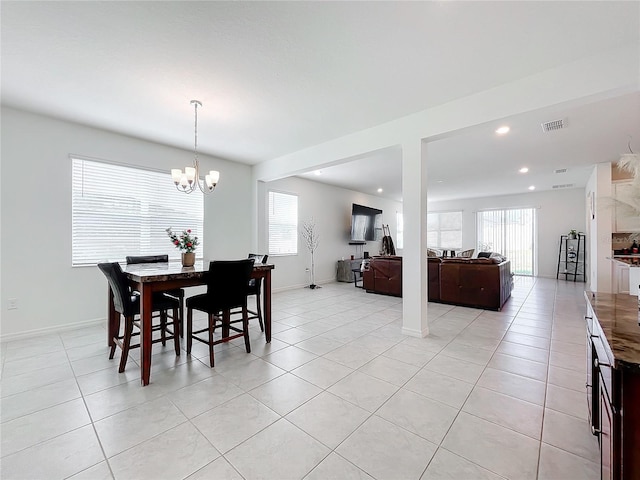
(564, 185)
(560, 170)
(554, 125)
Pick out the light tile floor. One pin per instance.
(339, 393)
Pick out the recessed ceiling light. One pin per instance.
(502, 130)
(440, 181)
(380, 190)
(317, 172)
(532, 187)
(523, 170)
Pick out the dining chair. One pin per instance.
(255, 288)
(177, 293)
(127, 304)
(227, 289)
(466, 253)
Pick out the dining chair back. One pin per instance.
(258, 257)
(147, 259)
(255, 288)
(127, 304)
(227, 288)
(123, 298)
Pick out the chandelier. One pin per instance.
(188, 180)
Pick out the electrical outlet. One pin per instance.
(13, 304)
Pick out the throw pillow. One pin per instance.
(499, 257)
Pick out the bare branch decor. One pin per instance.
(311, 237)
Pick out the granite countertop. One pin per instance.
(618, 317)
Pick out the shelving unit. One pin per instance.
(571, 257)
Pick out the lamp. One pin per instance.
(186, 181)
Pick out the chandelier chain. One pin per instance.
(196, 103)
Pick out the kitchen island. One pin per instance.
(613, 381)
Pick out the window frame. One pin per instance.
(270, 243)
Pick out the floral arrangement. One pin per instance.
(185, 242)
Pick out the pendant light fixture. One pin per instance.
(189, 180)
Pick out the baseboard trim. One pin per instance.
(9, 337)
(415, 333)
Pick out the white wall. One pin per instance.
(557, 213)
(330, 208)
(36, 216)
(600, 267)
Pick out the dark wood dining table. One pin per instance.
(148, 278)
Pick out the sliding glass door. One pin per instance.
(510, 232)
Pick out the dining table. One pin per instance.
(147, 278)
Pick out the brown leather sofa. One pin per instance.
(475, 282)
(384, 275)
(471, 282)
(433, 277)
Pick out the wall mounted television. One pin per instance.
(366, 223)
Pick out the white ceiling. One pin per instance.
(478, 163)
(278, 77)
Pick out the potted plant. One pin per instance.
(186, 243)
(310, 237)
(573, 234)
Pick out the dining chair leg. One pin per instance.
(189, 330)
(226, 323)
(245, 328)
(128, 330)
(259, 310)
(212, 323)
(116, 332)
(181, 299)
(163, 327)
(176, 329)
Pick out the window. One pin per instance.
(119, 211)
(444, 230)
(283, 224)
(400, 229)
(509, 233)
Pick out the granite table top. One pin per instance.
(619, 319)
(164, 271)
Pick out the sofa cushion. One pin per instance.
(500, 257)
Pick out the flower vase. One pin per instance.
(188, 259)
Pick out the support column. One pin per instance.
(414, 261)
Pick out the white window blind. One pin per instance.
(283, 224)
(510, 233)
(444, 230)
(119, 211)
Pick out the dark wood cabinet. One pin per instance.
(606, 438)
